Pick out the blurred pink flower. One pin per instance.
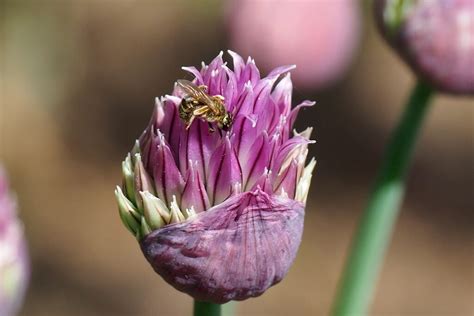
(14, 266)
(319, 36)
(435, 37)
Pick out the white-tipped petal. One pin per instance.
(128, 177)
(302, 188)
(129, 215)
(155, 211)
(176, 215)
(144, 228)
(189, 212)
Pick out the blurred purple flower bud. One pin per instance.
(14, 265)
(435, 37)
(219, 214)
(320, 37)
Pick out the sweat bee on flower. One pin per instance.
(197, 103)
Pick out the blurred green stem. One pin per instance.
(375, 229)
(206, 309)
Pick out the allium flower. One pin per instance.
(219, 215)
(435, 37)
(321, 35)
(14, 266)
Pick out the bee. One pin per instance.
(197, 103)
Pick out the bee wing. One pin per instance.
(194, 91)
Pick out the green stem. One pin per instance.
(373, 235)
(206, 309)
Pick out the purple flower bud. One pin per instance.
(219, 212)
(435, 37)
(14, 266)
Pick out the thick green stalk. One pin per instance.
(376, 226)
(206, 309)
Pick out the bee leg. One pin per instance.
(211, 129)
(188, 124)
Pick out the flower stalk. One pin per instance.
(376, 226)
(206, 309)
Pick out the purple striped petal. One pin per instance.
(244, 133)
(197, 144)
(268, 118)
(194, 192)
(145, 145)
(250, 73)
(282, 94)
(166, 175)
(209, 74)
(244, 105)
(156, 122)
(255, 160)
(230, 92)
(262, 93)
(173, 125)
(224, 172)
(239, 66)
(264, 182)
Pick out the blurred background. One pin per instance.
(78, 81)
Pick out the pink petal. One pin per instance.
(262, 94)
(230, 92)
(255, 160)
(166, 175)
(245, 102)
(268, 118)
(250, 73)
(194, 192)
(239, 64)
(173, 125)
(224, 172)
(282, 94)
(197, 144)
(208, 73)
(264, 182)
(243, 133)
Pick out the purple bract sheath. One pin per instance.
(219, 214)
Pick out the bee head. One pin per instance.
(227, 122)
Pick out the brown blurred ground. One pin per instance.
(78, 82)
